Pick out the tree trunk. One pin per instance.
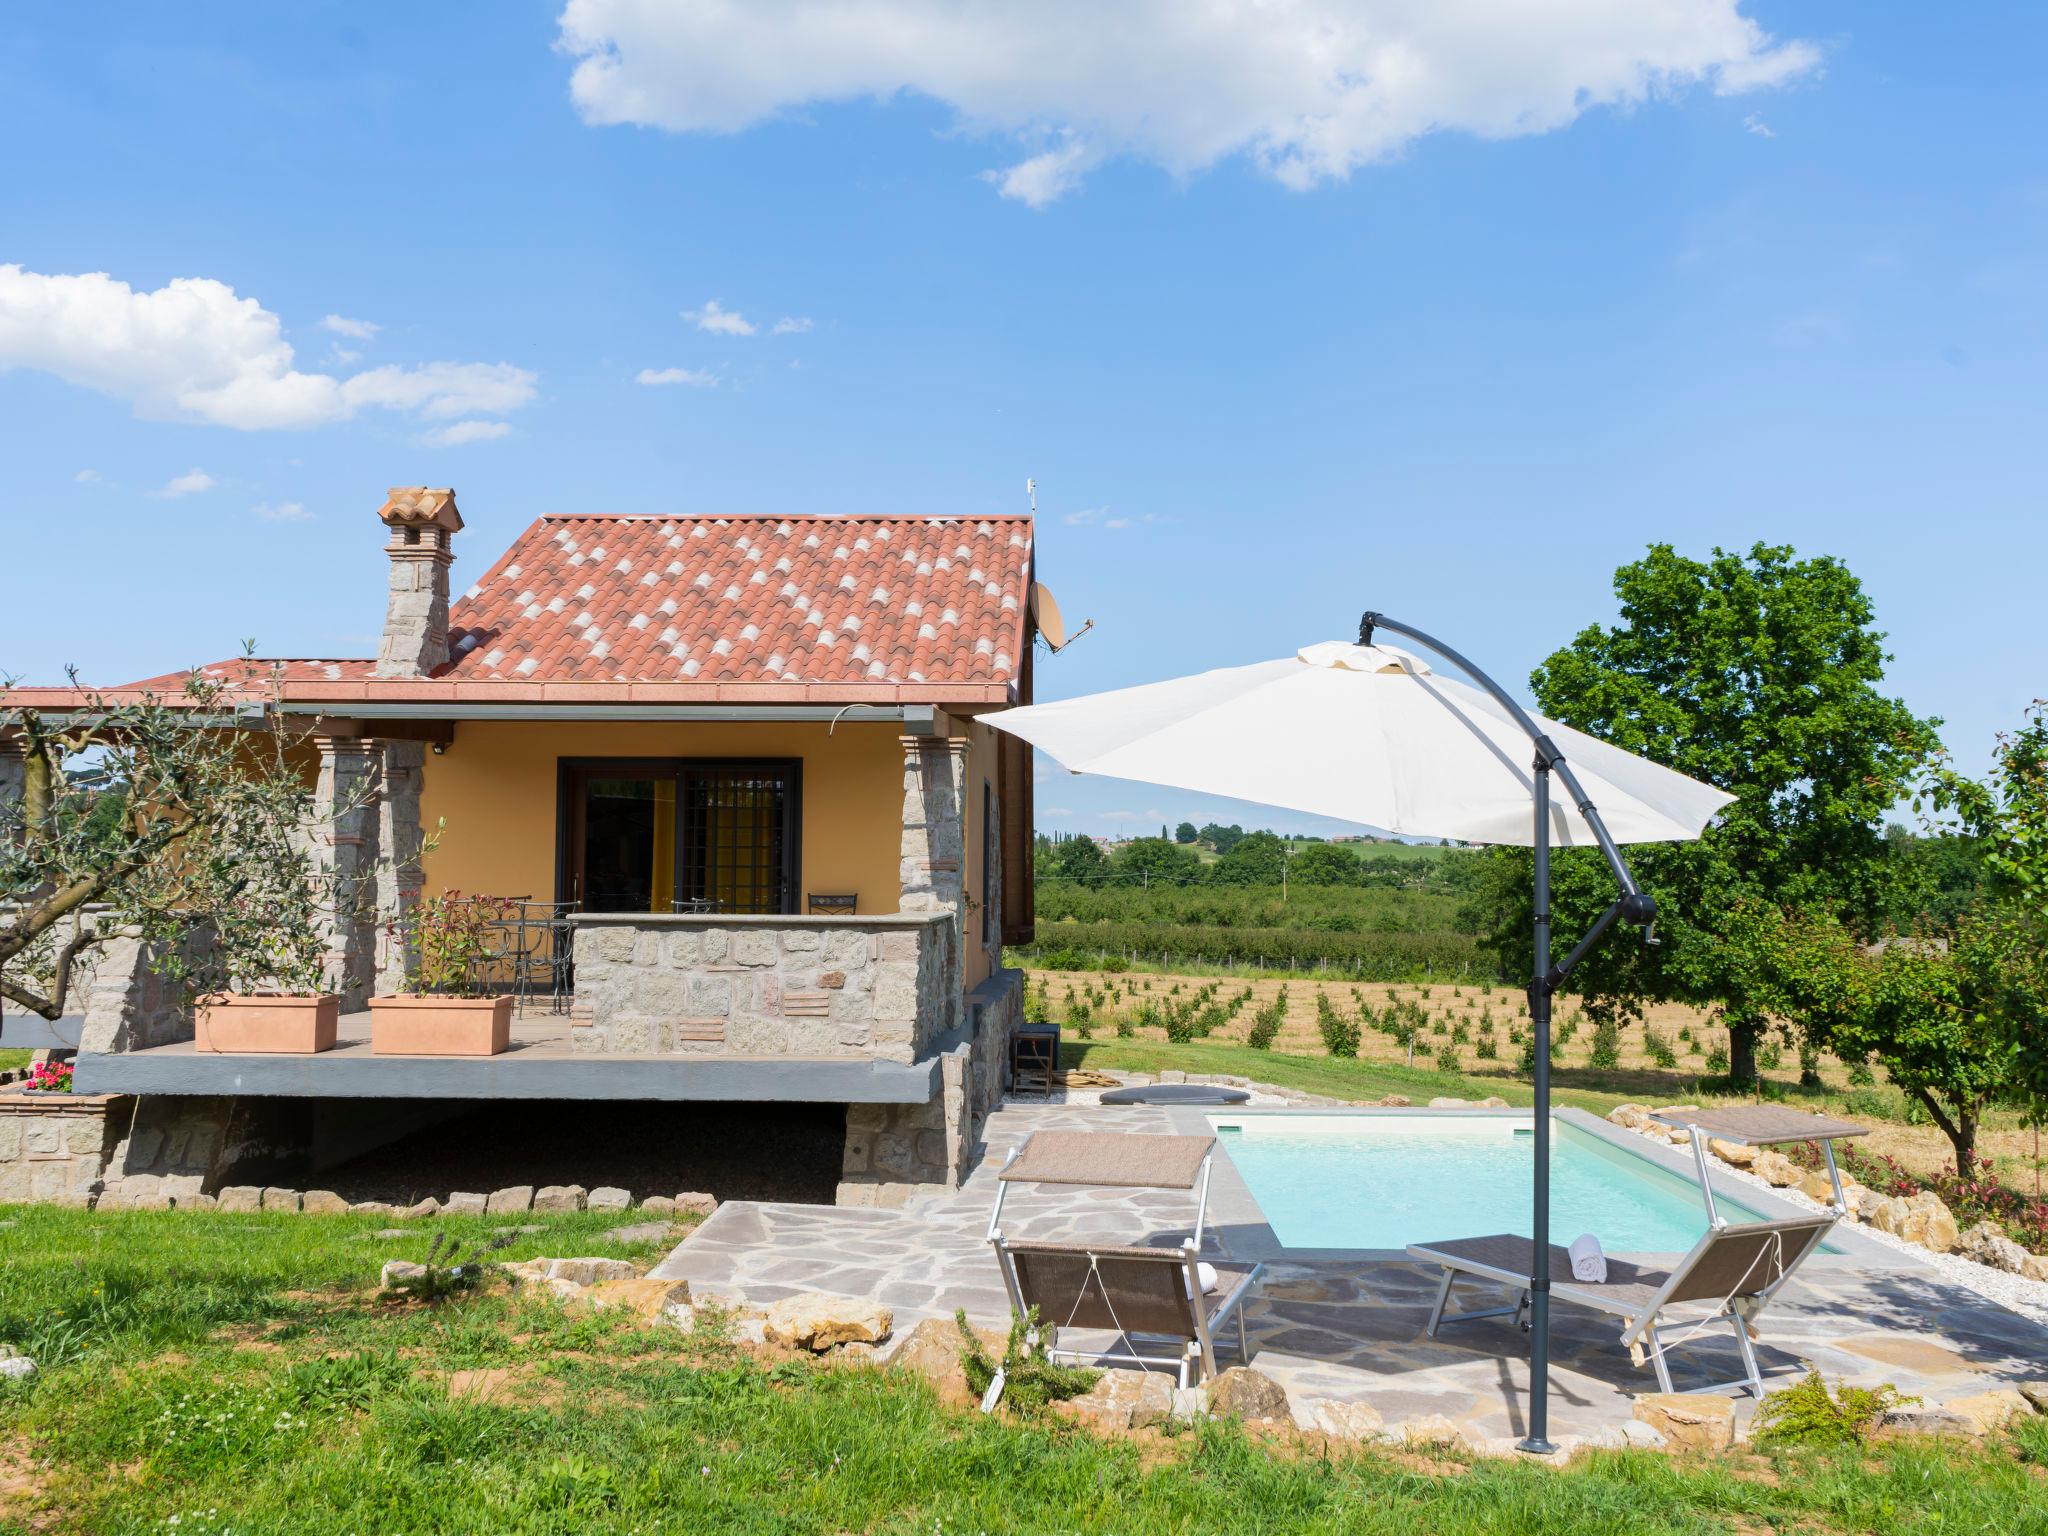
(1961, 1129)
(1742, 1038)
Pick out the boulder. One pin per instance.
(817, 1322)
(15, 1367)
(2036, 1393)
(695, 1203)
(558, 1197)
(1344, 1421)
(1244, 1393)
(1990, 1411)
(639, 1232)
(1776, 1169)
(933, 1350)
(1494, 1101)
(1920, 1419)
(1644, 1437)
(1121, 1400)
(658, 1205)
(239, 1197)
(1921, 1218)
(1393, 1101)
(1189, 1404)
(466, 1203)
(399, 1272)
(1734, 1153)
(1631, 1116)
(680, 1314)
(513, 1197)
(1817, 1186)
(1987, 1244)
(1450, 1103)
(419, 1208)
(374, 1208)
(322, 1202)
(280, 1199)
(2036, 1266)
(607, 1197)
(1431, 1429)
(1692, 1421)
(590, 1271)
(642, 1295)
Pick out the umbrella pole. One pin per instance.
(1537, 1440)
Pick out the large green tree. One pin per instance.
(1155, 861)
(1762, 674)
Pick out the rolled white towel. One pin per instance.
(1206, 1273)
(1588, 1262)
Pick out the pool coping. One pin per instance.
(1240, 1223)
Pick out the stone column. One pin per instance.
(398, 872)
(934, 794)
(345, 848)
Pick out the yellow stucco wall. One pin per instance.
(495, 787)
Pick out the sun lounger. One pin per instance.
(1729, 1277)
(1131, 1291)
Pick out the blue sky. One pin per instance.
(1780, 272)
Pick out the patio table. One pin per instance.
(1761, 1125)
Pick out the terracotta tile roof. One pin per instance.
(901, 607)
(750, 599)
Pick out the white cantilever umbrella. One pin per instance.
(1371, 734)
(1364, 733)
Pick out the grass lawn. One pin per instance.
(215, 1373)
(10, 1059)
(1335, 1076)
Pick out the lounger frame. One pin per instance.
(1643, 1319)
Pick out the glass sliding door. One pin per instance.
(661, 835)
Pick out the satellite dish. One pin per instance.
(1052, 629)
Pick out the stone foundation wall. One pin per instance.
(896, 1151)
(777, 986)
(55, 1147)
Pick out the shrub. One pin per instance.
(1809, 1414)
(1717, 1061)
(1447, 1059)
(1031, 1379)
(1606, 1045)
(1659, 1049)
(1487, 1050)
(1340, 1035)
(1769, 1055)
(1266, 1025)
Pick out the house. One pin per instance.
(733, 772)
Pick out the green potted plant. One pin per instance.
(448, 1007)
(262, 985)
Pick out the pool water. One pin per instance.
(1385, 1181)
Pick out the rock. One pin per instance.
(322, 1202)
(1922, 1219)
(695, 1203)
(1817, 1186)
(815, 1321)
(933, 1350)
(280, 1199)
(513, 1197)
(398, 1272)
(2036, 1393)
(1393, 1101)
(16, 1367)
(1990, 1411)
(1733, 1153)
(239, 1197)
(1244, 1393)
(1172, 1075)
(1121, 1400)
(465, 1203)
(1919, 1419)
(1189, 1404)
(750, 1330)
(1632, 1116)
(1431, 1429)
(195, 1203)
(680, 1314)
(419, 1208)
(639, 1232)
(1691, 1421)
(1494, 1101)
(1776, 1169)
(642, 1295)
(590, 1271)
(1447, 1103)
(607, 1197)
(2036, 1266)
(558, 1197)
(374, 1208)
(1643, 1436)
(1987, 1244)
(658, 1205)
(1344, 1421)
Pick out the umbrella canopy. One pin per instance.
(1364, 733)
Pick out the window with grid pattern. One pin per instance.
(737, 842)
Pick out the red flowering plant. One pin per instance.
(49, 1077)
(458, 944)
(1977, 1196)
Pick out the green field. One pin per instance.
(235, 1373)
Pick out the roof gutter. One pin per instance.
(918, 719)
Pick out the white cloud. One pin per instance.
(1310, 90)
(1054, 810)
(1099, 517)
(696, 377)
(89, 477)
(790, 325)
(1756, 125)
(720, 322)
(283, 512)
(193, 349)
(355, 330)
(191, 483)
(455, 435)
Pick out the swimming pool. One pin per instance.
(1385, 1181)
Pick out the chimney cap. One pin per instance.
(420, 506)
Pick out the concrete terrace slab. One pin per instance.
(543, 1063)
(1351, 1328)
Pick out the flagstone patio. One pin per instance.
(1353, 1330)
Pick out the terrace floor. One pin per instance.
(1353, 1330)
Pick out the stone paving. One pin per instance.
(1353, 1331)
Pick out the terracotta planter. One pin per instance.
(425, 1024)
(258, 1023)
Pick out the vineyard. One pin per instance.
(1369, 934)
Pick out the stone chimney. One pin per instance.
(423, 524)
